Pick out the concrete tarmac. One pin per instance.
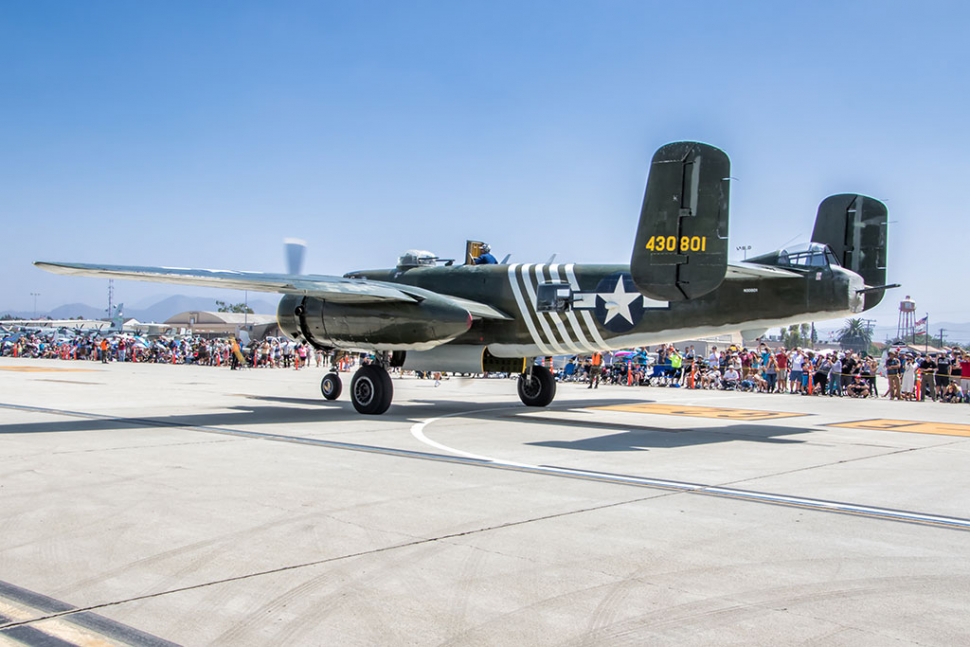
(159, 505)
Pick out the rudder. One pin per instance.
(681, 246)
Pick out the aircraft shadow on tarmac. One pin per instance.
(610, 436)
(646, 438)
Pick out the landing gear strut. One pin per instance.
(537, 387)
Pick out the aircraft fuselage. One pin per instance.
(603, 309)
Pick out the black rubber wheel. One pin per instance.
(371, 390)
(331, 386)
(538, 389)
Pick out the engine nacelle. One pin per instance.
(420, 325)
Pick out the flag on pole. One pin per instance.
(921, 325)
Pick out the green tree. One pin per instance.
(234, 307)
(855, 335)
(798, 336)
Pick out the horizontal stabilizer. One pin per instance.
(681, 246)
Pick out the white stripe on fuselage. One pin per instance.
(524, 310)
(542, 322)
(556, 319)
(590, 324)
(573, 321)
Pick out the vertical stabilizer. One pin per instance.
(681, 246)
(854, 227)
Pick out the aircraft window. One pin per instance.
(553, 297)
(417, 258)
(812, 255)
(807, 259)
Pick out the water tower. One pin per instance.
(906, 330)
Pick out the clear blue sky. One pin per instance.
(201, 134)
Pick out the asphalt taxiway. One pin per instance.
(159, 505)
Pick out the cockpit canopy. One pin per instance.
(416, 258)
(804, 256)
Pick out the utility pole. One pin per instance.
(744, 248)
(926, 336)
(941, 338)
(35, 295)
(870, 324)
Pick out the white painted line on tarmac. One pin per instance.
(418, 431)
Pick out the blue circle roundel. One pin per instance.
(619, 305)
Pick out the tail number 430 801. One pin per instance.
(677, 243)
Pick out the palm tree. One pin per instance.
(855, 335)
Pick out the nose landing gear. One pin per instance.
(331, 386)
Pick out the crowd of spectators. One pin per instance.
(267, 353)
(937, 376)
(941, 376)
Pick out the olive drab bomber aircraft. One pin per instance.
(475, 318)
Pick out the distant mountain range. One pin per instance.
(157, 312)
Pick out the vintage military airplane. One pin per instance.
(479, 318)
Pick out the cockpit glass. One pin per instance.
(807, 256)
(417, 258)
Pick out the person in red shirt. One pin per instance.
(782, 360)
(965, 374)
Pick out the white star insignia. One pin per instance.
(618, 302)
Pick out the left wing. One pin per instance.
(337, 289)
(334, 288)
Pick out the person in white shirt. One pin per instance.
(795, 375)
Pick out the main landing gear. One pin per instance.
(537, 387)
(371, 390)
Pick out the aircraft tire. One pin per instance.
(331, 386)
(388, 389)
(537, 390)
(371, 390)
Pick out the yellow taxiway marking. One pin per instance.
(911, 426)
(700, 412)
(46, 369)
